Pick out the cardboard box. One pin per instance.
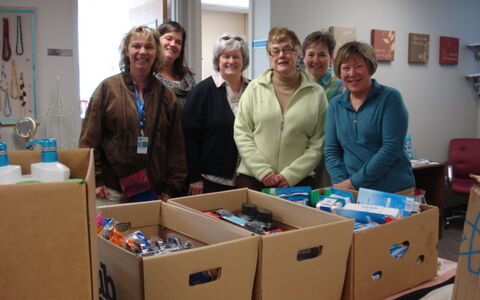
(370, 254)
(230, 252)
(467, 280)
(48, 248)
(279, 274)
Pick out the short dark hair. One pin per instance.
(324, 37)
(180, 67)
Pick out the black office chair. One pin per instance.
(463, 160)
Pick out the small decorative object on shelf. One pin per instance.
(475, 79)
(476, 50)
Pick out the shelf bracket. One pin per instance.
(475, 79)
(476, 50)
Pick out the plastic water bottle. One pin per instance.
(49, 169)
(408, 146)
(8, 173)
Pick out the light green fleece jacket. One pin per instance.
(268, 141)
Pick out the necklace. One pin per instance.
(23, 95)
(3, 79)
(7, 109)
(14, 90)
(6, 50)
(19, 37)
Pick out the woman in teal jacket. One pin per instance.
(279, 128)
(366, 128)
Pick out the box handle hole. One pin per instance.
(376, 275)
(398, 250)
(420, 259)
(309, 253)
(204, 276)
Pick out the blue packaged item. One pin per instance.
(405, 204)
(298, 194)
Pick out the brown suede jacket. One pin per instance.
(111, 126)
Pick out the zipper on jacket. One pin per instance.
(355, 125)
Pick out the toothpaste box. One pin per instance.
(405, 204)
(366, 213)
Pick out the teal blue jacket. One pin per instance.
(367, 146)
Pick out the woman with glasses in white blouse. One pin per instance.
(279, 128)
(208, 117)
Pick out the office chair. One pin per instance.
(463, 160)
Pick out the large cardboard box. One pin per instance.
(48, 248)
(280, 274)
(467, 280)
(373, 273)
(229, 252)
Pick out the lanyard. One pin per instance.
(140, 105)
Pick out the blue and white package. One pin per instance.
(346, 197)
(367, 213)
(405, 204)
(298, 194)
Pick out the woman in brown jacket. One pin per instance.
(133, 123)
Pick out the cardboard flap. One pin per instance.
(214, 200)
(195, 224)
(147, 214)
(167, 276)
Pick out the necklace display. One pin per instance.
(7, 109)
(6, 50)
(14, 86)
(19, 43)
(23, 93)
(3, 79)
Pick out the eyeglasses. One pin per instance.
(276, 52)
(237, 38)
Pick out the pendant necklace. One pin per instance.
(6, 50)
(3, 79)
(7, 109)
(19, 37)
(14, 90)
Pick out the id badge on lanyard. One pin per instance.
(142, 140)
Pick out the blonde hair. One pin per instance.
(356, 49)
(150, 34)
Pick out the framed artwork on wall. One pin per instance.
(448, 50)
(18, 93)
(383, 41)
(418, 47)
(342, 35)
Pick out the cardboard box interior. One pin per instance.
(166, 276)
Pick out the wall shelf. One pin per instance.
(475, 79)
(476, 50)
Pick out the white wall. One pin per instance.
(441, 102)
(215, 23)
(56, 28)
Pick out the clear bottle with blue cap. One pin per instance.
(8, 173)
(49, 169)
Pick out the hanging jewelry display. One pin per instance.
(14, 86)
(6, 50)
(19, 43)
(60, 121)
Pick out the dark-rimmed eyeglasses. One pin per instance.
(276, 51)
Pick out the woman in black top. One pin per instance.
(208, 117)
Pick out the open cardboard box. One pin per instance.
(48, 232)
(373, 273)
(280, 275)
(229, 252)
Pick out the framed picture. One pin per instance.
(418, 47)
(448, 50)
(383, 41)
(18, 93)
(342, 35)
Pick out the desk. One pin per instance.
(431, 179)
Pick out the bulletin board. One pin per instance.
(18, 91)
